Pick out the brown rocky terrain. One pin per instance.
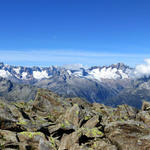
(51, 122)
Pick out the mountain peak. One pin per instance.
(119, 66)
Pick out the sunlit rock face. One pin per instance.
(53, 122)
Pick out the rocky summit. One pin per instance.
(51, 122)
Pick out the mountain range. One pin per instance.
(31, 74)
(112, 85)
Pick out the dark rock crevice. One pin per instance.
(59, 133)
(25, 115)
(84, 139)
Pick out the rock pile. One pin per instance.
(51, 122)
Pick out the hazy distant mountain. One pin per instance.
(94, 84)
(134, 95)
(13, 92)
(111, 85)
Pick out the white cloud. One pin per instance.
(143, 69)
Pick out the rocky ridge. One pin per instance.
(51, 122)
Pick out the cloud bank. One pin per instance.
(143, 69)
(60, 57)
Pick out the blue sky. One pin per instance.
(91, 32)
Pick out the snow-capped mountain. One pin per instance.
(94, 83)
(111, 85)
(118, 71)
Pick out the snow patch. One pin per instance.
(40, 75)
(24, 75)
(17, 70)
(78, 73)
(123, 75)
(69, 72)
(104, 73)
(4, 73)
